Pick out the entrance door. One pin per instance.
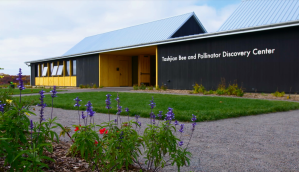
(144, 70)
(124, 73)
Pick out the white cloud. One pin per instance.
(32, 30)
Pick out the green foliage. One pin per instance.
(160, 142)
(158, 88)
(142, 87)
(198, 88)
(278, 94)
(94, 86)
(101, 86)
(150, 88)
(135, 87)
(164, 87)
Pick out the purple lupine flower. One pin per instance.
(154, 118)
(193, 119)
(181, 143)
(176, 122)
(182, 128)
(193, 126)
(115, 120)
(127, 109)
(91, 113)
(54, 92)
(77, 102)
(139, 124)
(152, 104)
(2, 107)
(108, 101)
(119, 110)
(21, 83)
(31, 125)
(42, 105)
(89, 109)
(169, 115)
(83, 116)
(160, 115)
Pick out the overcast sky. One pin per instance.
(31, 30)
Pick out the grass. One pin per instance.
(27, 90)
(206, 108)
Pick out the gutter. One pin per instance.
(180, 39)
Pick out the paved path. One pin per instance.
(268, 142)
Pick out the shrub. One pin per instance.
(278, 94)
(164, 87)
(158, 88)
(150, 87)
(101, 86)
(135, 87)
(240, 92)
(81, 86)
(94, 86)
(142, 87)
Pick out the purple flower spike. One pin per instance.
(83, 116)
(2, 107)
(108, 101)
(89, 108)
(77, 102)
(182, 128)
(119, 110)
(115, 120)
(193, 119)
(170, 115)
(42, 105)
(136, 117)
(54, 92)
(160, 114)
(31, 125)
(139, 124)
(176, 122)
(21, 83)
(193, 126)
(127, 109)
(152, 104)
(181, 143)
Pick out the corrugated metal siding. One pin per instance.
(88, 70)
(265, 73)
(32, 79)
(253, 13)
(144, 33)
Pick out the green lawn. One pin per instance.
(206, 108)
(26, 91)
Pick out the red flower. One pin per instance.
(96, 142)
(103, 130)
(76, 129)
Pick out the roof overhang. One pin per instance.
(179, 39)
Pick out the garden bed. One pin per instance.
(264, 96)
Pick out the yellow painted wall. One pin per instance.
(57, 81)
(109, 76)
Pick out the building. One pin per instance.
(257, 47)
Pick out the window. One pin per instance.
(74, 68)
(45, 70)
(51, 68)
(67, 68)
(54, 70)
(60, 69)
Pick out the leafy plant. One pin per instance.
(158, 88)
(135, 87)
(94, 86)
(150, 87)
(278, 94)
(142, 87)
(164, 87)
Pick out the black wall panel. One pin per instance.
(32, 76)
(191, 27)
(264, 73)
(88, 69)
